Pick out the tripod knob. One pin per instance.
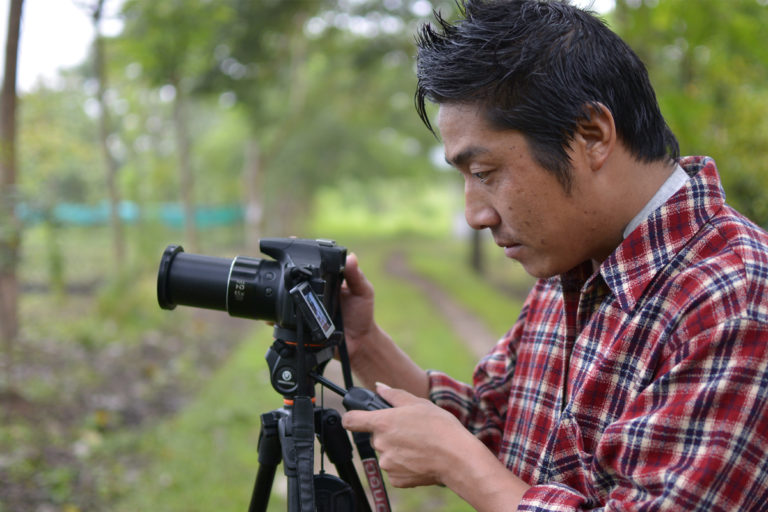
(364, 400)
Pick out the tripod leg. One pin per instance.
(334, 438)
(269, 458)
(304, 450)
(297, 439)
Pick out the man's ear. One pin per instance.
(597, 134)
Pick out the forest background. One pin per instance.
(214, 124)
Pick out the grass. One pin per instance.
(205, 458)
(411, 320)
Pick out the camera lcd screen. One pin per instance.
(315, 308)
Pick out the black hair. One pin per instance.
(539, 67)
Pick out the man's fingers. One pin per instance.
(366, 421)
(396, 397)
(354, 277)
(359, 421)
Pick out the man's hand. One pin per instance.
(357, 305)
(421, 444)
(416, 440)
(373, 354)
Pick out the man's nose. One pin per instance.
(478, 211)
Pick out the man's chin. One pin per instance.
(539, 268)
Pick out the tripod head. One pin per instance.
(296, 353)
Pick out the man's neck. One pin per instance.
(675, 182)
(638, 187)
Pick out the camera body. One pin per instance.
(302, 281)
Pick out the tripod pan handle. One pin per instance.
(364, 400)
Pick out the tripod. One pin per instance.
(287, 433)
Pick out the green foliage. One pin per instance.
(59, 154)
(709, 66)
(172, 39)
(220, 153)
(385, 207)
(275, 76)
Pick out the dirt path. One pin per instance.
(475, 333)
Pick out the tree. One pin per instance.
(61, 163)
(326, 87)
(169, 40)
(260, 58)
(105, 129)
(709, 66)
(10, 229)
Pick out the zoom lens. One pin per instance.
(244, 287)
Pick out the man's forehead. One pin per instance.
(460, 126)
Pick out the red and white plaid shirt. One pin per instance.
(643, 386)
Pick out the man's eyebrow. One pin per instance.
(465, 155)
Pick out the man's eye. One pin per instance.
(482, 175)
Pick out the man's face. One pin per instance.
(530, 214)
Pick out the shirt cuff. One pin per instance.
(550, 498)
(445, 389)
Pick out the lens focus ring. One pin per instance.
(253, 288)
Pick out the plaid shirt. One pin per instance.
(643, 386)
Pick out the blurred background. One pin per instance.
(128, 125)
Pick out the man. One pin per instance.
(636, 376)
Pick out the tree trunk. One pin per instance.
(186, 179)
(254, 204)
(281, 218)
(118, 238)
(10, 228)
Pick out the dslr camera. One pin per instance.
(298, 291)
(304, 278)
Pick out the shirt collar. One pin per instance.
(661, 235)
(674, 183)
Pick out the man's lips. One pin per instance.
(511, 249)
(505, 243)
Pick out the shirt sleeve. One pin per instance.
(481, 407)
(693, 439)
(460, 400)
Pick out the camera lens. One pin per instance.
(192, 280)
(254, 288)
(244, 287)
